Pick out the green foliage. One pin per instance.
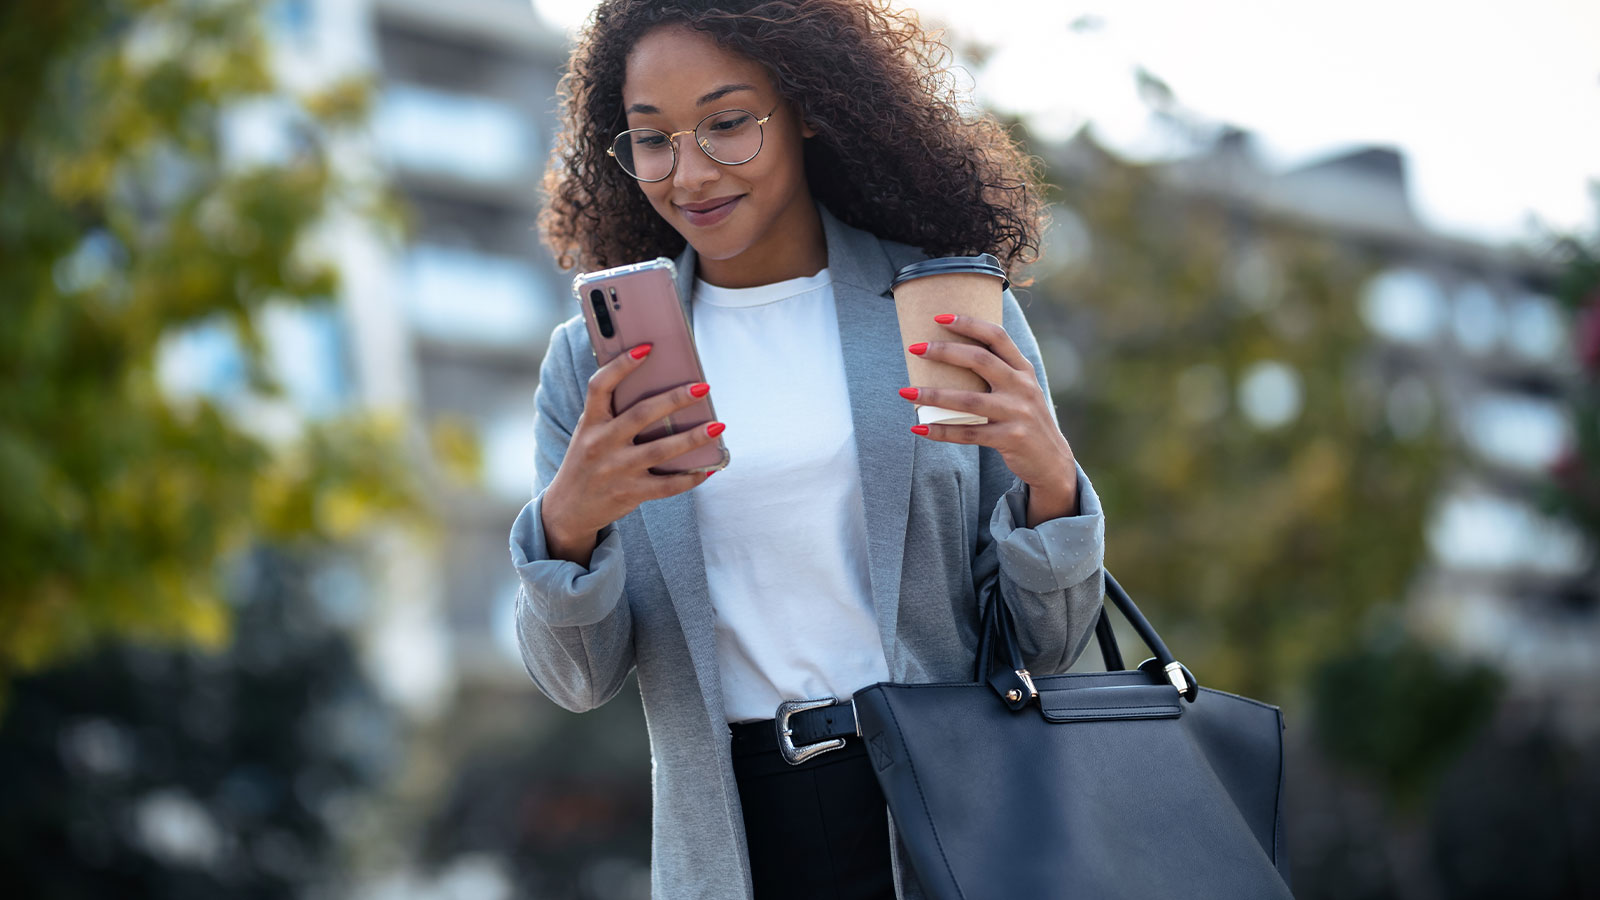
(1259, 550)
(1398, 712)
(1574, 492)
(121, 223)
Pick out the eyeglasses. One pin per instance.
(732, 137)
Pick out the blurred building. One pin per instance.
(1468, 340)
(447, 327)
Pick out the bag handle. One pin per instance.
(1110, 653)
(1014, 683)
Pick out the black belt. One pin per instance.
(802, 730)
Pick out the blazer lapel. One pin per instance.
(875, 369)
(675, 535)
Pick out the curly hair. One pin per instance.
(899, 151)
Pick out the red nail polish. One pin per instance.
(919, 348)
(919, 429)
(640, 352)
(699, 390)
(715, 428)
(945, 319)
(909, 393)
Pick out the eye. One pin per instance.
(649, 139)
(733, 122)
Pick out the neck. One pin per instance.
(794, 247)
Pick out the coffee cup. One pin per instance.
(965, 285)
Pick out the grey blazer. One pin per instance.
(941, 519)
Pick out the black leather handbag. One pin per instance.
(1134, 783)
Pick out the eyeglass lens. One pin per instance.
(730, 137)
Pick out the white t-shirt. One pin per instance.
(783, 527)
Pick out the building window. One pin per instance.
(507, 443)
(304, 350)
(1476, 530)
(460, 135)
(1476, 318)
(1536, 331)
(1403, 305)
(1515, 430)
(454, 294)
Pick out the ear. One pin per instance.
(806, 128)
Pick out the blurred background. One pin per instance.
(1320, 305)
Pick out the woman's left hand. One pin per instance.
(1022, 423)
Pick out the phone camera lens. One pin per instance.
(602, 318)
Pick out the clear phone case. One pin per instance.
(639, 304)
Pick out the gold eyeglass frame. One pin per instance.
(672, 141)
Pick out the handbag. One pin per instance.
(1131, 783)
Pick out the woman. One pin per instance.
(844, 545)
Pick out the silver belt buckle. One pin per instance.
(793, 755)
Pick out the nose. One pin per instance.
(695, 169)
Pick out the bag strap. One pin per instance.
(1011, 679)
(1107, 639)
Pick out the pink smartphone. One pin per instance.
(638, 304)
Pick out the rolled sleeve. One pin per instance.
(1055, 554)
(561, 593)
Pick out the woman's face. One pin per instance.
(675, 77)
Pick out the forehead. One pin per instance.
(673, 67)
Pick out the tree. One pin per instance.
(122, 223)
(1574, 490)
(140, 771)
(1274, 549)
(1230, 408)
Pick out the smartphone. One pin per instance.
(638, 304)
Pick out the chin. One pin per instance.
(717, 249)
(721, 243)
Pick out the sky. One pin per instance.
(1495, 104)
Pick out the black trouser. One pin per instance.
(819, 830)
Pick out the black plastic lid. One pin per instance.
(985, 264)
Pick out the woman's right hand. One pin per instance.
(605, 475)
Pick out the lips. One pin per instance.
(709, 212)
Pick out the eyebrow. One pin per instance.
(717, 94)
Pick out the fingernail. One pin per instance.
(909, 393)
(699, 390)
(715, 428)
(919, 429)
(945, 319)
(640, 352)
(919, 348)
(711, 473)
